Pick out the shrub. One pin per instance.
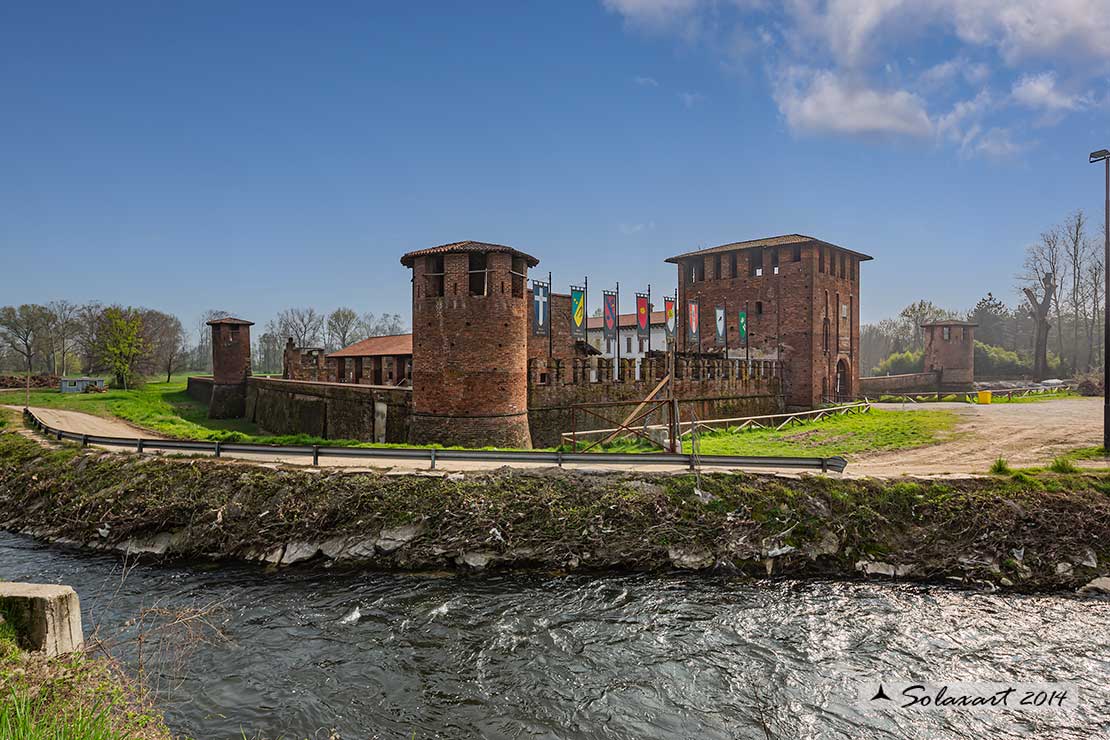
(1063, 465)
(901, 363)
(1000, 467)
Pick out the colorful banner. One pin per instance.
(643, 316)
(693, 322)
(541, 308)
(577, 312)
(609, 314)
(742, 327)
(720, 325)
(669, 313)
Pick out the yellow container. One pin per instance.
(984, 396)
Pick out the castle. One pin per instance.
(479, 374)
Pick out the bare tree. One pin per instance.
(63, 325)
(164, 342)
(203, 359)
(22, 329)
(1041, 306)
(1045, 259)
(1077, 253)
(304, 325)
(343, 328)
(380, 326)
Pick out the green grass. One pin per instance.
(1063, 465)
(1000, 467)
(877, 430)
(165, 408)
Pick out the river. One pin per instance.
(610, 656)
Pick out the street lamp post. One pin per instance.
(1103, 155)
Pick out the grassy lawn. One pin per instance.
(877, 430)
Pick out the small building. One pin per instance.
(950, 352)
(303, 363)
(385, 360)
(81, 385)
(632, 345)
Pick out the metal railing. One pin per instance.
(433, 455)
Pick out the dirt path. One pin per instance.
(79, 422)
(1025, 434)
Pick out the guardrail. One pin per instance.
(432, 455)
(968, 396)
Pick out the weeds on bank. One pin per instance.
(1001, 467)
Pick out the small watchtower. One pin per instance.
(231, 366)
(950, 352)
(470, 345)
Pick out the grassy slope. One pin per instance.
(76, 697)
(880, 429)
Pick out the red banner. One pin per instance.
(643, 315)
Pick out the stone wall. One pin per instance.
(908, 383)
(710, 388)
(950, 350)
(330, 410)
(199, 388)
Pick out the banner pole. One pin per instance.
(550, 322)
(617, 324)
(649, 319)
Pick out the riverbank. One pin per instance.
(76, 696)
(1026, 532)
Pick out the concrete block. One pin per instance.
(46, 617)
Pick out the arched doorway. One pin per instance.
(843, 387)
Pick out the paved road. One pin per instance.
(1025, 434)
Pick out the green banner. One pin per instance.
(742, 326)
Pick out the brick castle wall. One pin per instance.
(787, 309)
(330, 410)
(231, 366)
(877, 385)
(470, 355)
(954, 357)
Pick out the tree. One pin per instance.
(268, 357)
(163, 342)
(1044, 262)
(385, 325)
(122, 343)
(304, 325)
(1077, 253)
(994, 320)
(1041, 306)
(22, 329)
(203, 358)
(63, 325)
(343, 328)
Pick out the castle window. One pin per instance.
(946, 332)
(843, 265)
(697, 270)
(477, 268)
(825, 336)
(755, 262)
(433, 275)
(853, 263)
(797, 256)
(628, 345)
(774, 262)
(520, 275)
(759, 308)
(234, 333)
(820, 259)
(717, 266)
(732, 264)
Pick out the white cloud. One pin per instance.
(646, 81)
(630, 229)
(964, 115)
(821, 101)
(652, 13)
(997, 143)
(1040, 91)
(690, 99)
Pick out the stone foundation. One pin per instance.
(46, 617)
(228, 401)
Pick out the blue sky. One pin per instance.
(252, 156)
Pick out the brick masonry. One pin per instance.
(231, 366)
(877, 385)
(470, 353)
(950, 350)
(329, 410)
(787, 313)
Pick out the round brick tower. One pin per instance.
(231, 365)
(470, 345)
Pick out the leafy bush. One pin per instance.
(901, 363)
(1000, 467)
(997, 362)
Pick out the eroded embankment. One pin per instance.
(1031, 533)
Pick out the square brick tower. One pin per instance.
(470, 345)
(801, 300)
(950, 352)
(231, 366)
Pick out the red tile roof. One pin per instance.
(771, 241)
(626, 320)
(467, 246)
(395, 344)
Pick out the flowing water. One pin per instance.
(312, 650)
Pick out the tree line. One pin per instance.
(130, 343)
(1055, 328)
